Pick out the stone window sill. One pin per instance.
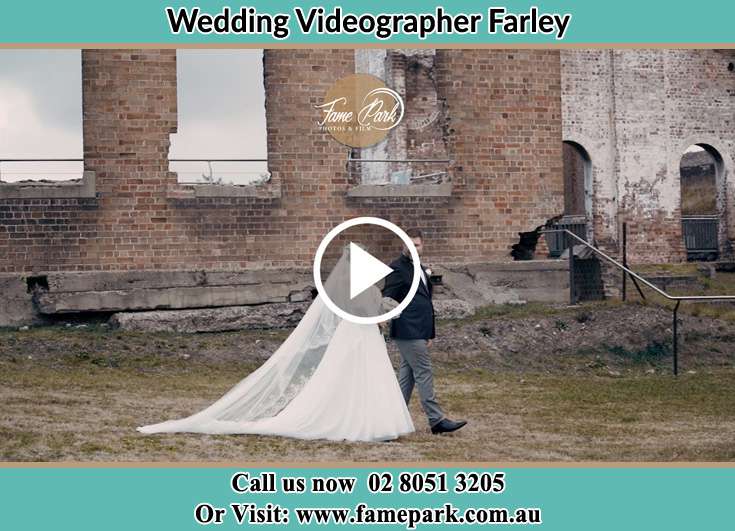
(211, 191)
(84, 188)
(400, 190)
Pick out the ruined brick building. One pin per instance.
(514, 138)
(631, 115)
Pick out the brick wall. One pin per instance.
(704, 108)
(425, 113)
(504, 134)
(587, 114)
(504, 130)
(636, 112)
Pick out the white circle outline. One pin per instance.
(366, 220)
(395, 96)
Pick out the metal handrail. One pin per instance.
(172, 160)
(640, 278)
(41, 160)
(444, 161)
(218, 160)
(676, 298)
(209, 161)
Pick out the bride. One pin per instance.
(330, 379)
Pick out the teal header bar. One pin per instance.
(565, 498)
(516, 22)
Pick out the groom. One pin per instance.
(413, 332)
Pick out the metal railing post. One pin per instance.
(676, 339)
(625, 257)
(572, 284)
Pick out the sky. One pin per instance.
(221, 103)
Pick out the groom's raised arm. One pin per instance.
(394, 287)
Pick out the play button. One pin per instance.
(365, 270)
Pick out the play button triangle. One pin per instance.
(365, 270)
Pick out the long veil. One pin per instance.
(270, 388)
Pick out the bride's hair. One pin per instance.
(337, 286)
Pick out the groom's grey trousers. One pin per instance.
(416, 370)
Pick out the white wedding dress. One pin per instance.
(330, 379)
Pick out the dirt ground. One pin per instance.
(536, 382)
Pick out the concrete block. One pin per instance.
(16, 304)
(212, 319)
(169, 298)
(507, 282)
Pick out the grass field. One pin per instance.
(78, 393)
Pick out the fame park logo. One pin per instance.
(359, 110)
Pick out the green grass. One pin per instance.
(78, 393)
(87, 411)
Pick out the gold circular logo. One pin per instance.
(359, 110)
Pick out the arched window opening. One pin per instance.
(577, 215)
(701, 170)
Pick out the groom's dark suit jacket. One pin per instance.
(417, 320)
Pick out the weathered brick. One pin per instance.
(635, 112)
(503, 133)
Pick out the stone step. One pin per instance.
(169, 298)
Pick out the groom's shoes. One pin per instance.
(447, 426)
